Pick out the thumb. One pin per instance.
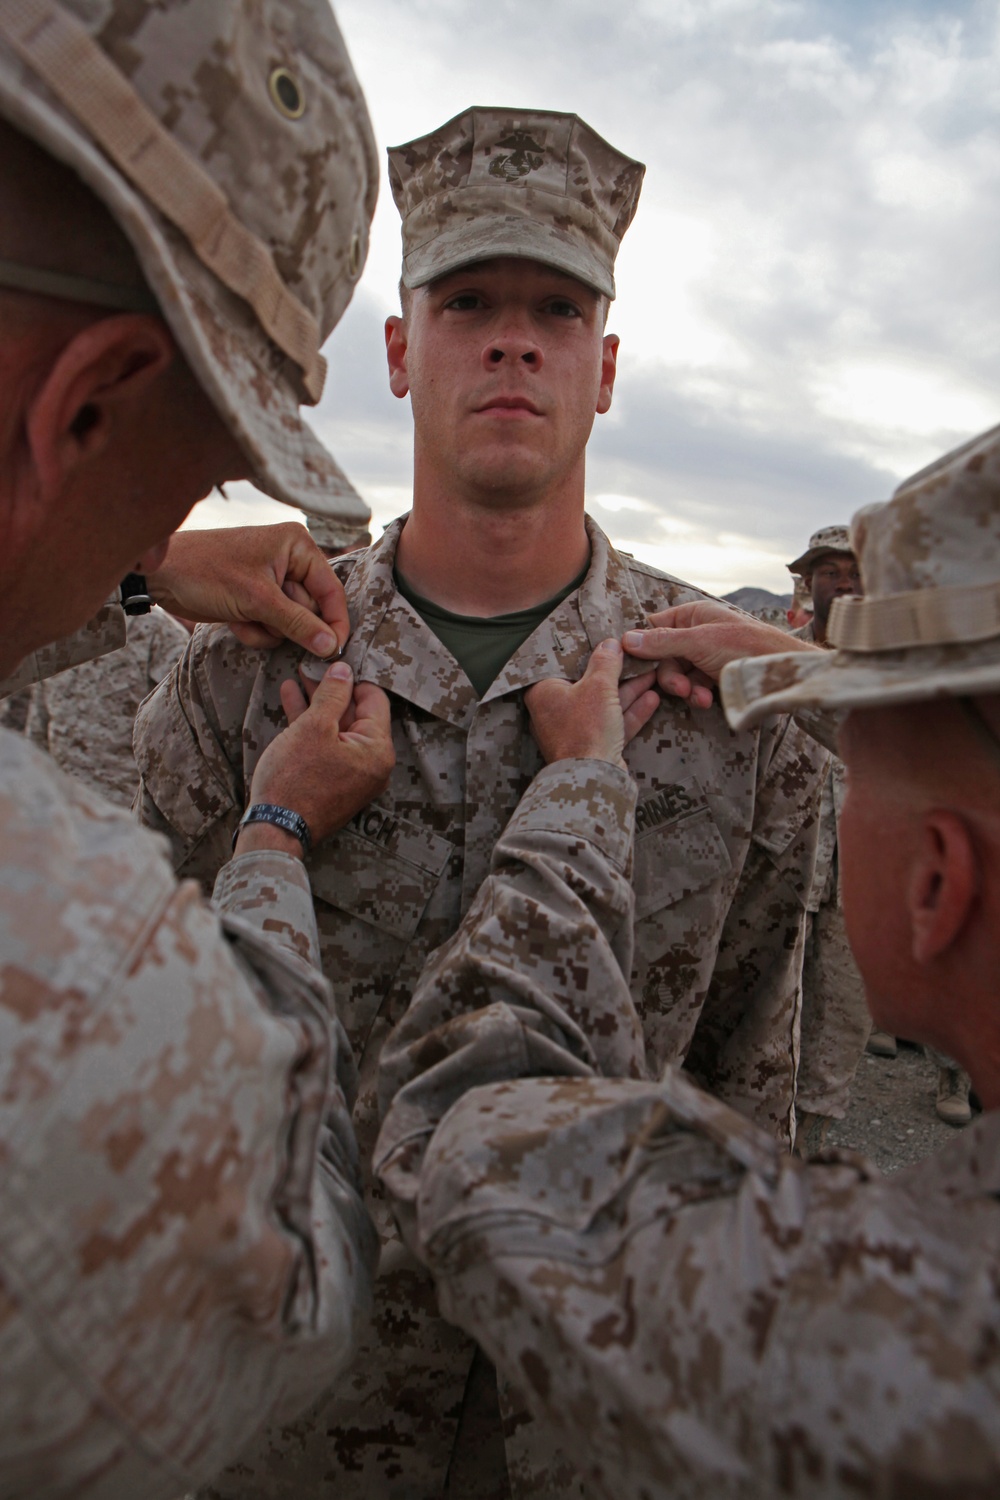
(285, 617)
(605, 664)
(333, 693)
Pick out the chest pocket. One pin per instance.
(381, 869)
(678, 848)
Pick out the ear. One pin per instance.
(944, 884)
(98, 381)
(609, 369)
(395, 353)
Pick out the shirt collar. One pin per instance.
(392, 647)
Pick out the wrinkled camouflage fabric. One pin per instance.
(692, 1312)
(697, 1315)
(183, 1244)
(724, 860)
(84, 717)
(105, 632)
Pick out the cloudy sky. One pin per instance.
(808, 299)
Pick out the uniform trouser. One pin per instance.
(835, 1019)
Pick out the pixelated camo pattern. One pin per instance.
(105, 632)
(696, 1314)
(724, 854)
(84, 717)
(183, 1246)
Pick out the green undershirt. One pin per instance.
(483, 646)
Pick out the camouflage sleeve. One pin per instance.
(167, 643)
(533, 981)
(184, 1250)
(746, 1044)
(104, 633)
(188, 748)
(697, 1315)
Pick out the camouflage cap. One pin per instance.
(528, 183)
(929, 624)
(827, 539)
(231, 142)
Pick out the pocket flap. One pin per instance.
(678, 848)
(381, 869)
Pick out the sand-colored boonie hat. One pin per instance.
(337, 536)
(529, 183)
(827, 539)
(929, 623)
(231, 142)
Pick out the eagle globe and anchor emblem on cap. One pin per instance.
(522, 154)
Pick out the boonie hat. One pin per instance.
(929, 623)
(827, 539)
(338, 535)
(528, 183)
(231, 142)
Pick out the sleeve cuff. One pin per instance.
(271, 891)
(581, 799)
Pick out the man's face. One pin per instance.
(835, 575)
(506, 364)
(112, 469)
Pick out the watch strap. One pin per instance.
(281, 817)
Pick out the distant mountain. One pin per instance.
(753, 600)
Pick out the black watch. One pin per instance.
(135, 598)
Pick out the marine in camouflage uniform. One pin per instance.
(183, 1245)
(724, 851)
(835, 1019)
(84, 717)
(694, 1312)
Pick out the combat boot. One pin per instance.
(953, 1097)
(810, 1132)
(881, 1044)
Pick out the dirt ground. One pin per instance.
(891, 1116)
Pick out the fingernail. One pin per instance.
(633, 638)
(324, 643)
(340, 670)
(612, 645)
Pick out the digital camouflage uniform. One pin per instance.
(200, 1253)
(724, 860)
(835, 1019)
(695, 1313)
(84, 717)
(184, 1248)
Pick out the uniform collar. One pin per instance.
(391, 646)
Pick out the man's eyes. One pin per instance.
(563, 308)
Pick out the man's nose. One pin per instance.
(515, 343)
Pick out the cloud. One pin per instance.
(808, 294)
